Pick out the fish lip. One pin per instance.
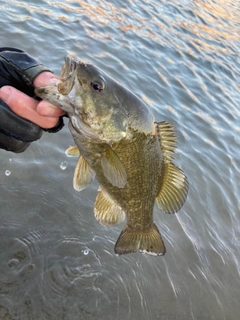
(71, 65)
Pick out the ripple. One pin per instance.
(21, 264)
(16, 267)
(71, 270)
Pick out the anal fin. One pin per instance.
(146, 241)
(107, 212)
(174, 189)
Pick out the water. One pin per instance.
(56, 262)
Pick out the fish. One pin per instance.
(119, 142)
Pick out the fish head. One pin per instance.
(89, 97)
(98, 106)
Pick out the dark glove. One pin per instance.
(18, 69)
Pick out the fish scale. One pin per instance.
(137, 197)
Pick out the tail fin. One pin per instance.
(146, 241)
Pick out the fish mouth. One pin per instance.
(67, 76)
(61, 93)
(68, 68)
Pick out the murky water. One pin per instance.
(56, 262)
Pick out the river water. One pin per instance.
(56, 262)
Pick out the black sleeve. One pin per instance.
(19, 70)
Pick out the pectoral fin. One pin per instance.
(174, 189)
(113, 169)
(107, 212)
(146, 241)
(83, 175)
(72, 152)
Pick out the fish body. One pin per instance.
(130, 154)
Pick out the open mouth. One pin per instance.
(67, 76)
(68, 68)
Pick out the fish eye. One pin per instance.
(98, 84)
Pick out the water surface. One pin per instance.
(56, 262)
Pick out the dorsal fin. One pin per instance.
(167, 139)
(174, 184)
(174, 189)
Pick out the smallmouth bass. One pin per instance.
(119, 142)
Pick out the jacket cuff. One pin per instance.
(57, 128)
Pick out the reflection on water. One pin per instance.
(56, 261)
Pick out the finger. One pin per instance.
(44, 79)
(45, 108)
(25, 107)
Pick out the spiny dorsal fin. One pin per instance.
(107, 212)
(174, 189)
(83, 175)
(72, 152)
(113, 168)
(167, 139)
(146, 241)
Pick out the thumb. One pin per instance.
(44, 79)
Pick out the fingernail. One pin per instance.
(54, 80)
(5, 93)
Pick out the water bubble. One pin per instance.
(86, 268)
(30, 268)
(63, 165)
(7, 173)
(13, 263)
(85, 252)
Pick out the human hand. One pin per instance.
(42, 113)
(22, 117)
